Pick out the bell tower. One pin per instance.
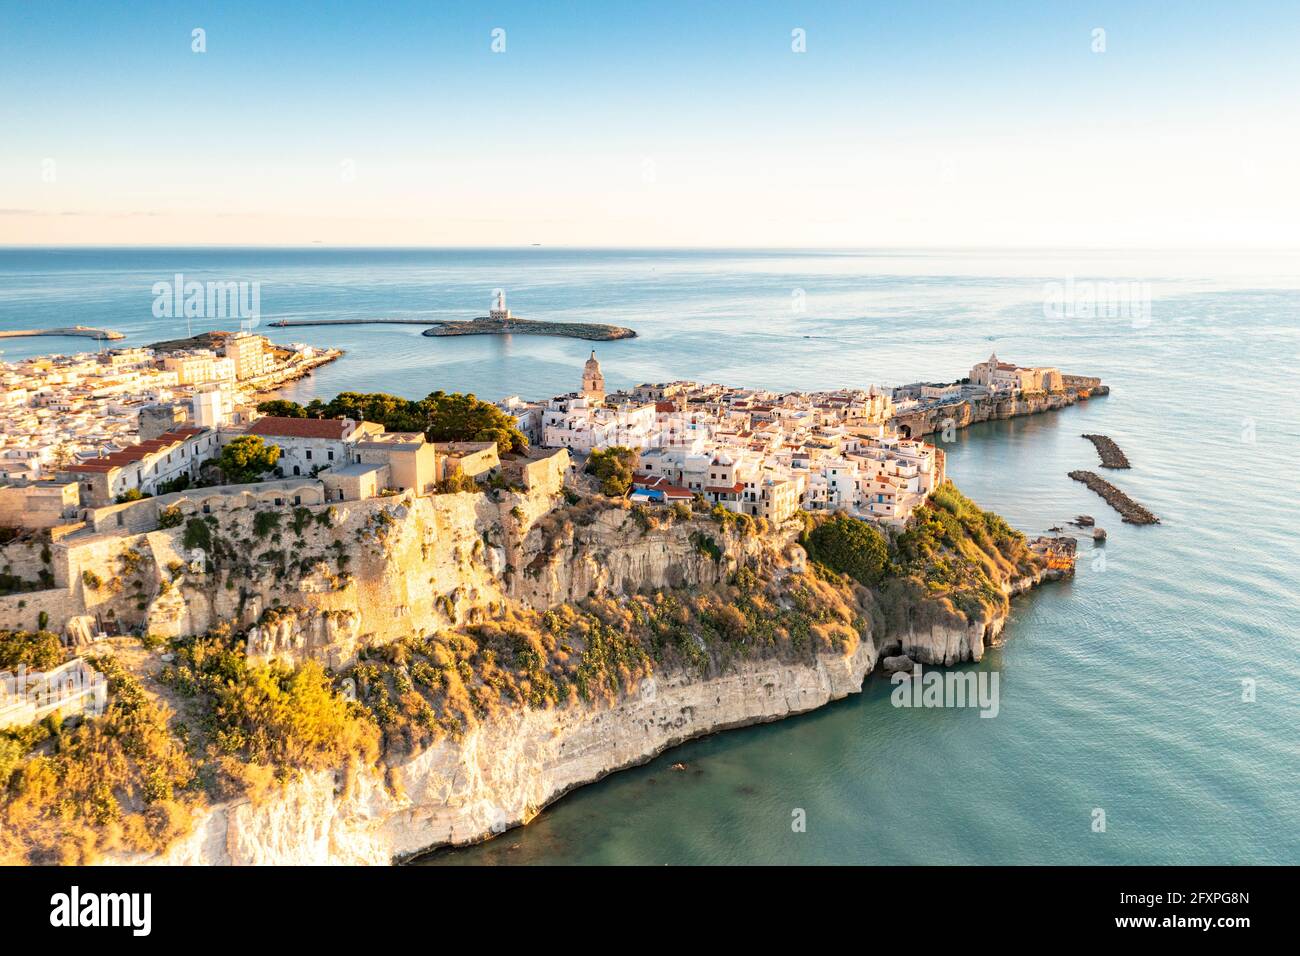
(593, 382)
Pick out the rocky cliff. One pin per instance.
(490, 703)
(503, 772)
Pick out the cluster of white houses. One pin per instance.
(770, 454)
(59, 409)
(755, 452)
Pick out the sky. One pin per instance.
(660, 124)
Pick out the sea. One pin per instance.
(1148, 709)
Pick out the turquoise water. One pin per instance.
(1120, 690)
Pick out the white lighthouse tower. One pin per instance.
(499, 312)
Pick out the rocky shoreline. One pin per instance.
(1130, 510)
(1111, 455)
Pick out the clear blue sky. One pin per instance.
(648, 124)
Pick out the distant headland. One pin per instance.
(498, 321)
(82, 330)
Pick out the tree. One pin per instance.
(247, 458)
(462, 417)
(442, 416)
(849, 546)
(282, 407)
(613, 467)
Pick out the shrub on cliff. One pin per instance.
(613, 468)
(269, 715)
(115, 782)
(456, 481)
(38, 651)
(601, 649)
(960, 553)
(849, 546)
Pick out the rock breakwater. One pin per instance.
(1130, 510)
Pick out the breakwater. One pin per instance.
(1130, 510)
(1111, 455)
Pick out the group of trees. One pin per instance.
(442, 416)
(613, 468)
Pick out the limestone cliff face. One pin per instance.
(372, 572)
(973, 411)
(954, 640)
(504, 771)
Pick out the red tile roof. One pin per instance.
(275, 426)
(138, 451)
(725, 490)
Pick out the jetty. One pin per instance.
(1111, 455)
(1130, 510)
(84, 331)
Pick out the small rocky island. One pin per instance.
(488, 326)
(500, 321)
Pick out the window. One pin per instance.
(331, 454)
(309, 454)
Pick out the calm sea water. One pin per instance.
(1121, 690)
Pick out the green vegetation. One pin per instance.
(118, 782)
(443, 684)
(170, 517)
(848, 546)
(959, 552)
(455, 481)
(134, 494)
(613, 468)
(442, 416)
(264, 522)
(198, 534)
(91, 580)
(38, 651)
(272, 718)
(282, 408)
(179, 483)
(247, 458)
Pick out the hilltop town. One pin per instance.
(502, 559)
(769, 454)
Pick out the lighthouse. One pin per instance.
(499, 312)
